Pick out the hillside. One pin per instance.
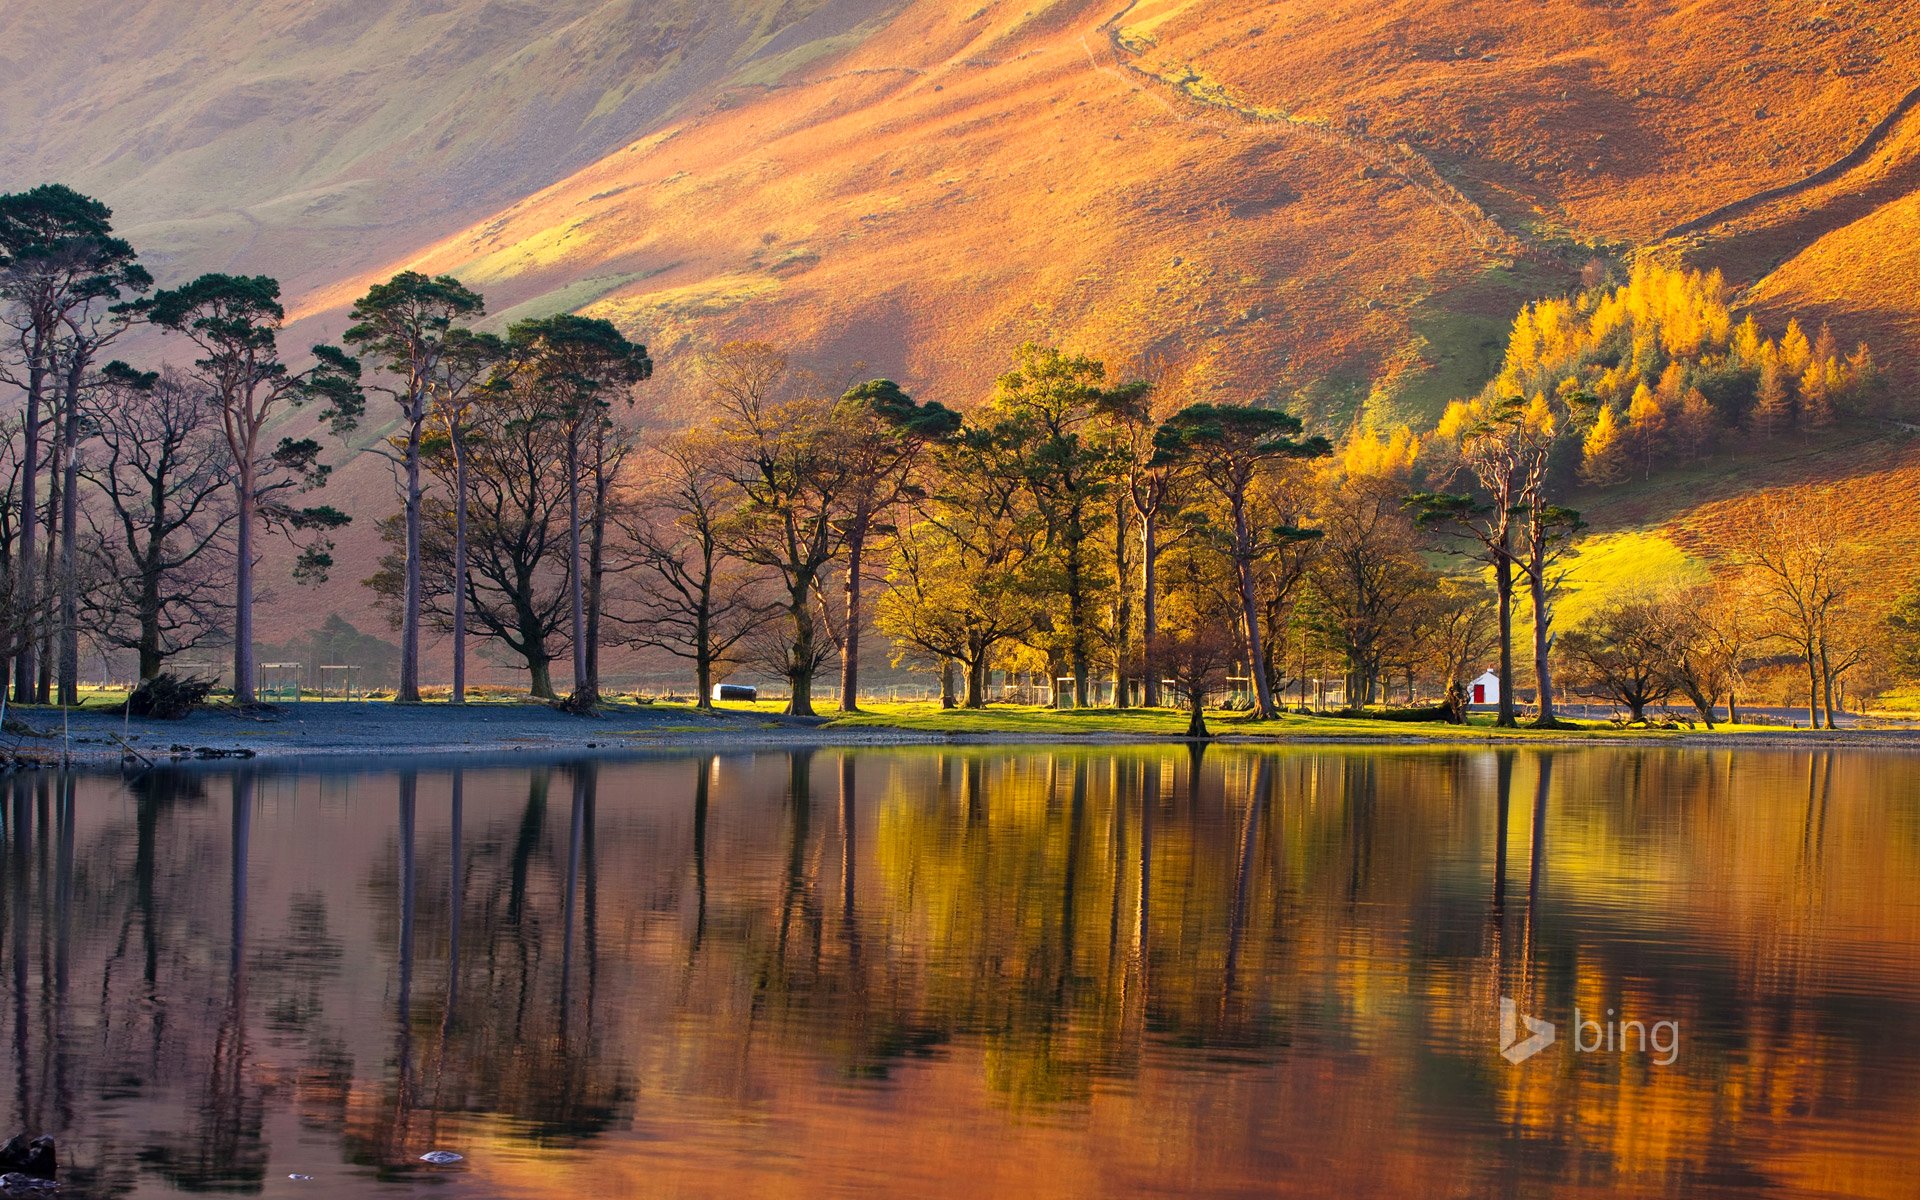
(1272, 199)
(1338, 204)
(307, 138)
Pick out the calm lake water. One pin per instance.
(973, 973)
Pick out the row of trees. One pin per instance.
(1791, 589)
(1071, 526)
(1064, 529)
(159, 485)
(181, 474)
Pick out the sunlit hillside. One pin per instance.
(1301, 201)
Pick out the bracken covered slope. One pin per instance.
(1306, 200)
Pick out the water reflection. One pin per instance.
(948, 971)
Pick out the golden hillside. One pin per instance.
(1306, 200)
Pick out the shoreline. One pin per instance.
(380, 730)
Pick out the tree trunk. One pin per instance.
(459, 695)
(947, 700)
(1813, 690)
(1150, 609)
(29, 525)
(977, 682)
(850, 643)
(1733, 707)
(596, 568)
(1250, 612)
(800, 656)
(69, 551)
(577, 588)
(409, 690)
(150, 611)
(49, 573)
(1503, 589)
(1123, 602)
(703, 671)
(1542, 645)
(1826, 681)
(540, 677)
(243, 588)
(1196, 716)
(1077, 617)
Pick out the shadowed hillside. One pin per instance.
(308, 137)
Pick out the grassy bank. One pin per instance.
(1040, 723)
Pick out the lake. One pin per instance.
(973, 972)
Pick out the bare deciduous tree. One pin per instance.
(164, 544)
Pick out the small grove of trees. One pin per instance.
(1791, 590)
(1671, 370)
(135, 500)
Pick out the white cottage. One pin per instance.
(1484, 690)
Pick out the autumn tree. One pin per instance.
(1231, 449)
(961, 579)
(514, 588)
(1200, 645)
(1054, 407)
(886, 435)
(467, 365)
(1484, 442)
(789, 460)
(1151, 488)
(1711, 634)
(1803, 572)
(235, 322)
(1623, 652)
(1366, 581)
(690, 596)
(1455, 629)
(402, 328)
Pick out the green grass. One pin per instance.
(928, 717)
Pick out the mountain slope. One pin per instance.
(308, 137)
(1316, 202)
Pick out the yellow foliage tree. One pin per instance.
(1646, 424)
(1600, 453)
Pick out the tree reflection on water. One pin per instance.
(940, 970)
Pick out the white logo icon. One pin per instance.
(1511, 1047)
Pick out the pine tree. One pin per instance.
(1600, 453)
(1772, 403)
(1646, 424)
(1795, 351)
(1695, 425)
(1816, 393)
